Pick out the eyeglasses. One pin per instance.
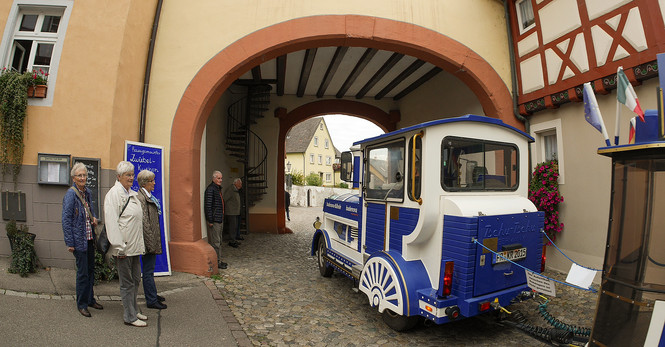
(81, 175)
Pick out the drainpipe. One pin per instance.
(513, 70)
(148, 67)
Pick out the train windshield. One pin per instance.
(472, 164)
(385, 174)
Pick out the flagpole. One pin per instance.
(616, 124)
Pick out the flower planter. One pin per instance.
(38, 91)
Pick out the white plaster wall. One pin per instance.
(558, 18)
(586, 191)
(317, 195)
(531, 71)
(597, 8)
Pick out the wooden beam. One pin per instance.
(394, 59)
(401, 77)
(360, 66)
(424, 78)
(280, 63)
(306, 69)
(256, 73)
(332, 68)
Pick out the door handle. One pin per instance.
(508, 273)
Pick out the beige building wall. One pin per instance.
(92, 107)
(181, 50)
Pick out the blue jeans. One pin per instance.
(85, 276)
(149, 288)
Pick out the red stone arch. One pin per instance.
(188, 251)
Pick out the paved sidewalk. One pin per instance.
(40, 310)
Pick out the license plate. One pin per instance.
(514, 254)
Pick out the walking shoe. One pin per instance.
(137, 323)
(222, 265)
(141, 316)
(96, 306)
(158, 305)
(234, 244)
(160, 298)
(240, 238)
(85, 312)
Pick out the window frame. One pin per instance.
(367, 180)
(538, 131)
(483, 188)
(320, 157)
(48, 7)
(326, 143)
(311, 158)
(328, 160)
(519, 17)
(316, 141)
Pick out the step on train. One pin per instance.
(440, 219)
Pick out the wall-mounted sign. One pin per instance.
(151, 157)
(53, 169)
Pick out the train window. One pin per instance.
(385, 172)
(472, 164)
(415, 167)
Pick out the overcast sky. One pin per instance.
(345, 130)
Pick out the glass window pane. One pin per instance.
(28, 22)
(50, 24)
(43, 54)
(550, 147)
(470, 164)
(526, 13)
(385, 174)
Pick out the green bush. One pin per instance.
(24, 258)
(298, 178)
(313, 180)
(103, 270)
(343, 185)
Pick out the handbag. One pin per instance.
(102, 243)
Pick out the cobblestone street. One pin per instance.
(274, 289)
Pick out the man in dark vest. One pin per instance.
(213, 205)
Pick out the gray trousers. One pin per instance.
(129, 275)
(215, 239)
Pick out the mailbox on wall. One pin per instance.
(53, 169)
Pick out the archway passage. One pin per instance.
(189, 253)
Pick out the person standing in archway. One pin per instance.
(233, 210)
(213, 205)
(287, 203)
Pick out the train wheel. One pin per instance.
(380, 282)
(398, 322)
(324, 268)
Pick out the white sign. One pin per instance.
(580, 276)
(657, 325)
(540, 284)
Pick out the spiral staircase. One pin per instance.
(247, 147)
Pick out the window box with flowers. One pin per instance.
(38, 84)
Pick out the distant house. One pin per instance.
(309, 149)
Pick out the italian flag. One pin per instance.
(631, 131)
(626, 94)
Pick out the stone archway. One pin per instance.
(189, 253)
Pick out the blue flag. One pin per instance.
(592, 112)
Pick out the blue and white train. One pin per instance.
(431, 196)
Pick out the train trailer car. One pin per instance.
(441, 226)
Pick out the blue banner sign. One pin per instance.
(151, 157)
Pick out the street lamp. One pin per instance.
(288, 167)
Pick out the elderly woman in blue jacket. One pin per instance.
(78, 222)
(123, 217)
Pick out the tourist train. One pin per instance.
(440, 225)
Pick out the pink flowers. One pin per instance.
(544, 193)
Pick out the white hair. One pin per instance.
(77, 167)
(124, 167)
